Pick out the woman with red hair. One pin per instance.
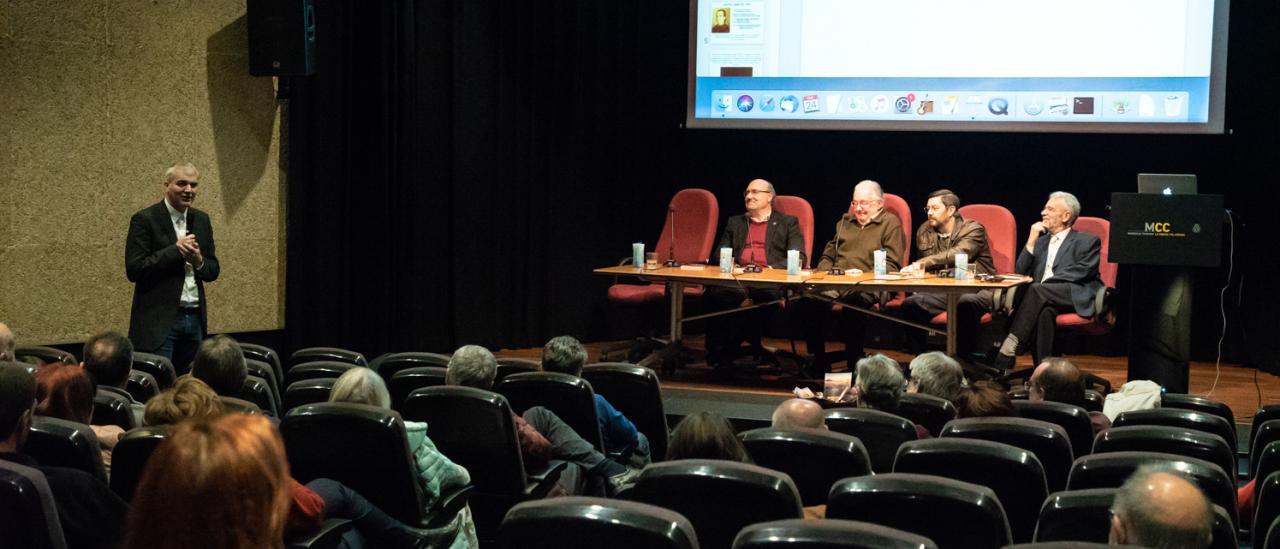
(221, 484)
(65, 391)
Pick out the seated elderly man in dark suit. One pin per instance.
(1063, 265)
(759, 237)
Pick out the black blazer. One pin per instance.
(782, 234)
(152, 262)
(1076, 263)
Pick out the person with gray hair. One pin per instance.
(1063, 266)
(798, 413)
(879, 382)
(566, 355)
(472, 366)
(758, 238)
(858, 235)
(542, 435)
(436, 473)
(935, 373)
(169, 256)
(1159, 507)
(7, 344)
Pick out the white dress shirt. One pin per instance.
(190, 294)
(1055, 242)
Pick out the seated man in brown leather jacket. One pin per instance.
(943, 235)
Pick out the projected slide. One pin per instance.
(1000, 65)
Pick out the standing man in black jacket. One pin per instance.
(169, 255)
(760, 237)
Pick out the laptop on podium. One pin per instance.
(1166, 183)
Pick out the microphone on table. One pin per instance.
(835, 270)
(671, 249)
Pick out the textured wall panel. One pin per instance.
(98, 98)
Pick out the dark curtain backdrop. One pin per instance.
(456, 168)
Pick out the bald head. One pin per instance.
(6, 343)
(1160, 508)
(798, 413)
(1058, 380)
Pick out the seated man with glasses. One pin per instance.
(858, 236)
(944, 234)
(759, 237)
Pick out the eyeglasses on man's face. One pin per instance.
(750, 192)
(865, 203)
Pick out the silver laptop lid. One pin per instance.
(1166, 183)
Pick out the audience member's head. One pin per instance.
(1158, 507)
(984, 399)
(472, 366)
(706, 435)
(798, 413)
(7, 344)
(228, 481)
(935, 373)
(564, 354)
(17, 401)
(361, 386)
(65, 391)
(880, 383)
(220, 363)
(108, 357)
(1057, 380)
(189, 398)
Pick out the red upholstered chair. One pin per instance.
(696, 214)
(803, 212)
(1104, 317)
(1002, 240)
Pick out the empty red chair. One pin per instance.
(803, 212)
(696, 213)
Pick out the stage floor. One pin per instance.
(749, 394)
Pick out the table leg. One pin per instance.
(677, 312)
(952, 301)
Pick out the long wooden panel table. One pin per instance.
(811, 283)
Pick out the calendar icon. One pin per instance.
(810, 104)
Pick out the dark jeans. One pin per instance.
(595, 466)
(373, 527)
(922, 307)
(726, 332)
(183, 341)
(1036, 313)
(853, 326)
